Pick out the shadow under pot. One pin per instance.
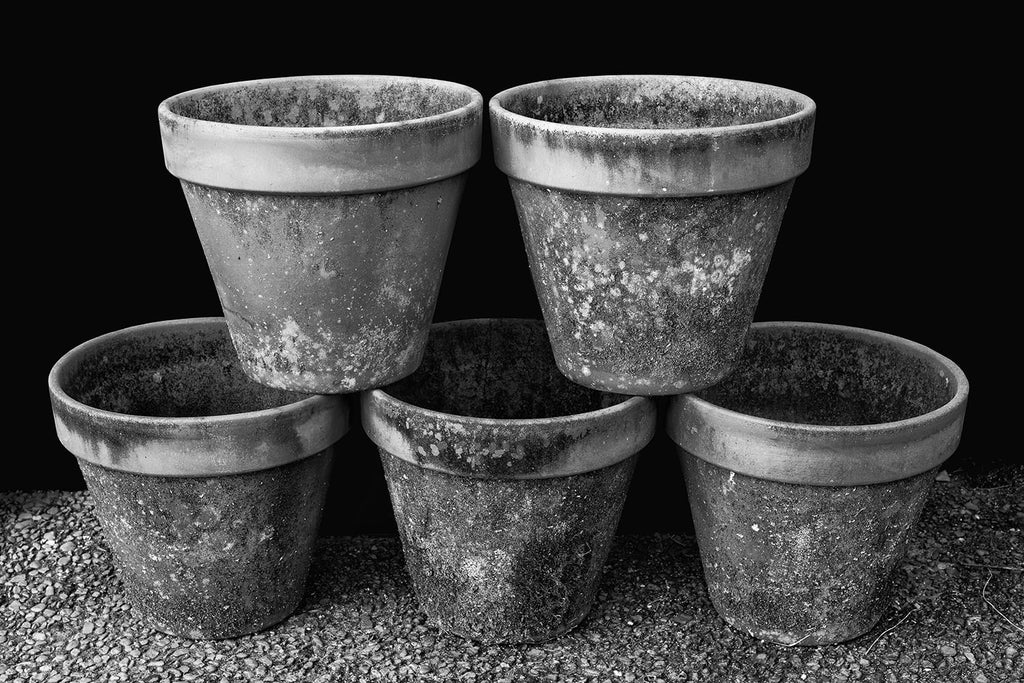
(649, 207)
(325, 207)
(806, 470)
(507, 480)
(208, 486)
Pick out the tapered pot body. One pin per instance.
(806, 470)
(208, 486)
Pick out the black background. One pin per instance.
(897, 226)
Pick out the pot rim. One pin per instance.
(827, 455)
(635, 416)
(952, 405)
(662, 162)
(320, 132)
(808, 107)
(326, 417)
(371, 157)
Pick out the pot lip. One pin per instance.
(57, 391)
(631, 403)
(269, 133)
(496, 106)
(947, 410)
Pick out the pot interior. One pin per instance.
(827, 377)
(497, 369)
(319, 102)
(179, 371)
(652, 102)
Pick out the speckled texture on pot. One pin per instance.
(806, 470)
(212, 557)
(649, 207)
(792, 563)
(648, 295)
(327, 293)
(325, 206)
(506, 479)
(209, 486)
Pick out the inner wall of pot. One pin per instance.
(313, 103)
(821, 377)
(498, 369)
(652, 103)
(191, 372)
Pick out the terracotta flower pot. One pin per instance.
(807, 468)
(325, 206)
(208, 486)
(507, 480)
(649, 207)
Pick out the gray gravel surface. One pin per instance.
(957, 613)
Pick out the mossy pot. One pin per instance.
(325, 206)
(507, 480)
(649, 207)
(806, 470)
(208, 486)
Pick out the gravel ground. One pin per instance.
(957, 615)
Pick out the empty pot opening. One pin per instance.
(313, 103)
(822, 377)
(179, 373)
(498, 369)
(653, 103)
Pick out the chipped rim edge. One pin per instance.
(320, 159)
(642, 407)
(183, 451)
(827, 455)
(584, 174)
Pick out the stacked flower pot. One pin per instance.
(649, 208)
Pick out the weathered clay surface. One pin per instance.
(212, 557)
(506, 560)
(648, 295)
(795, 563)
(327, 293)
(507, 480)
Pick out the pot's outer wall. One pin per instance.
(327, 293)
(504, 560)
(645, 295)
(793, 563)
(212, 557)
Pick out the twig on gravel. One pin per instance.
(796, 642)
(998, 611)
(891, 628)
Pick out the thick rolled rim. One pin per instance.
(825, 455)
(496, 105)
(319, 132)
(194, 446)
(57, 374)
(940, 414)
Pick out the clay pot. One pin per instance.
(807, 468)
(649, 207)
(208, 486)
(325, 207)
(507, 480)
